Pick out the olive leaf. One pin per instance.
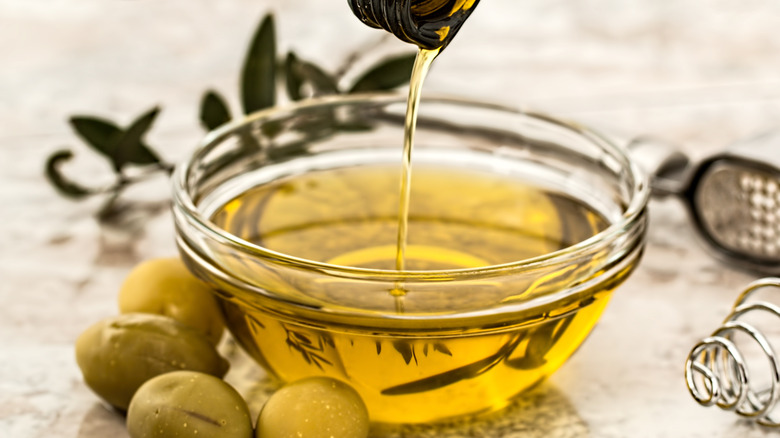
(444, 379)
(299, 73)
(99, 134)
(405, 349)
(441, 348)
(437, 346)
(130, 148)
(214, 112)
(541, 341)
(328, 340)
(258, 75)
(300, 337)
(456, 375)
(119, 146)
(386, 75)
(312, 353)
(59, 181)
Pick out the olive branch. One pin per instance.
(264, 75)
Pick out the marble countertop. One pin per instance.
(698, 74)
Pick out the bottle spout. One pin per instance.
(429, 24)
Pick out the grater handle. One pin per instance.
(666, 166)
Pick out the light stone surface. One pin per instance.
(697, 73)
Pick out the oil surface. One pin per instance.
(458, 218)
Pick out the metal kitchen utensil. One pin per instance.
(718, 369)
(733, 197)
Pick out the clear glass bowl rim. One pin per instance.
(634, 211)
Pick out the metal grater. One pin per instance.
(733, 197)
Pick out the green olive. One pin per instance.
(117, 355)
(166, 287)
(188, 403)
(315, 407)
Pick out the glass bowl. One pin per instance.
(520, 228)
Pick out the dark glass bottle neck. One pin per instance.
(430, 24)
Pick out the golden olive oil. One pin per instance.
(422, 64)
(458, 218)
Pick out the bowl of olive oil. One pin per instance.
(443, 292)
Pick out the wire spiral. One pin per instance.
(717, 372)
